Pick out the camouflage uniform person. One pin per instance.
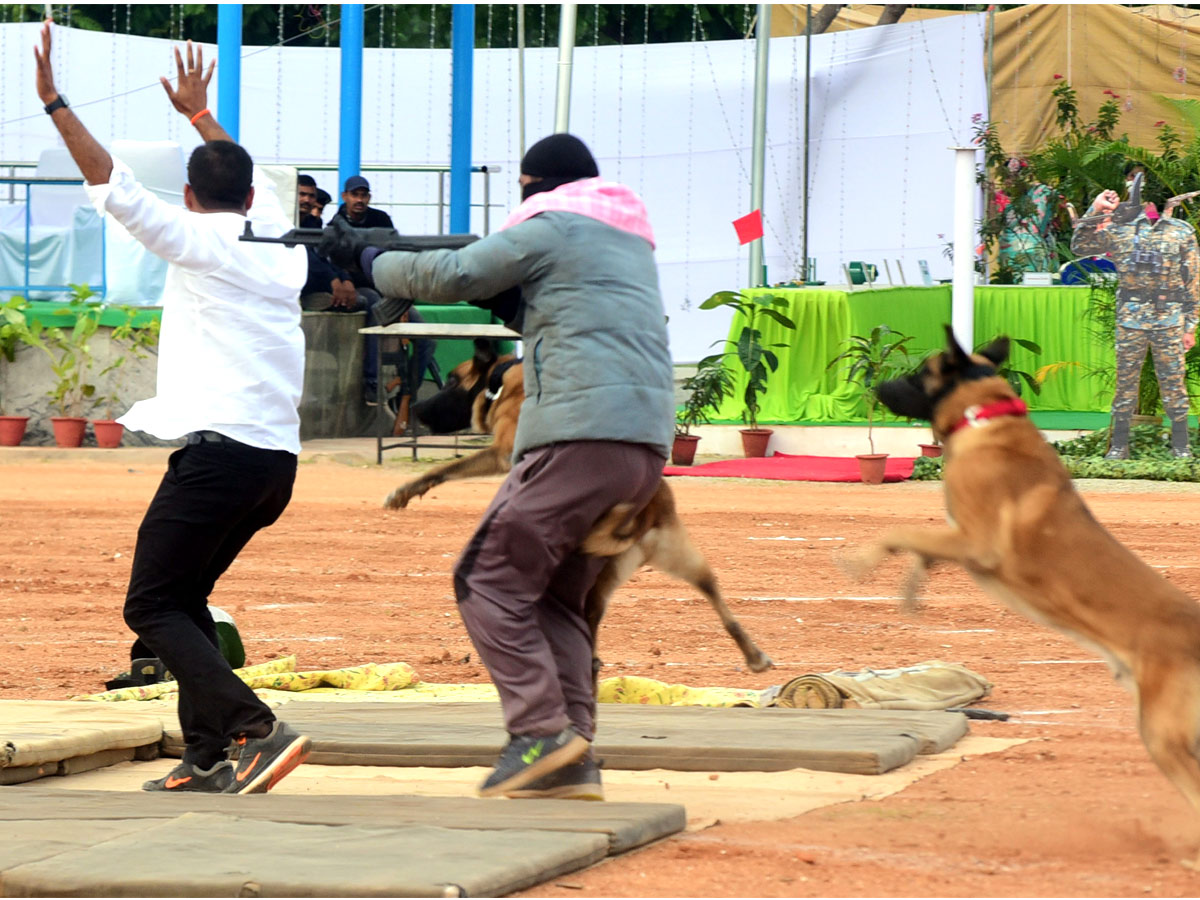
(1158, 266)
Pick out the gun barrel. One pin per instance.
(384, 238)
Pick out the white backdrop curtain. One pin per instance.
(671, 120)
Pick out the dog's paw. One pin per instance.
(859, 565)
(760, 663)
(397, 499)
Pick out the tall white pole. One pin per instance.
(759, 151)
(521, 78)
(962, 306)
(566, 50)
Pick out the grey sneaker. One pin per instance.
(262, 762)
(528, 757)
(578, 781)
(185, 777)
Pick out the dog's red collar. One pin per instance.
(977, 415)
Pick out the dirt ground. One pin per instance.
(1079, 810)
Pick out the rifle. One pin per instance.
(383, 238)
(506, 305)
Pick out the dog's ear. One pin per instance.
(959, 359)
(996, 352)
(485, 353)
(905, 397)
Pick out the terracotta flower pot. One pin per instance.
(683, 451)
(754, 441)
(108, 433)
(930, 449)
(12, 429)
(68, 430)
(871, 466)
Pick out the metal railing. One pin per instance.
(27, 286)
(9, 194)
(440, 204)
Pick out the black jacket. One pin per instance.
(373, 218)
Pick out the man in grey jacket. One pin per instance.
(594, 431)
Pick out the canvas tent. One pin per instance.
(1139, 53)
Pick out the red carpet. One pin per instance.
(790, 467)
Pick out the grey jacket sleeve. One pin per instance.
(476, 272)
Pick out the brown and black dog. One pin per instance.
(486, 393)
(1023, 533)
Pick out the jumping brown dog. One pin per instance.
(1023, 533)
(486, 392)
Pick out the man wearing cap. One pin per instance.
(594, 431)
(356, 205)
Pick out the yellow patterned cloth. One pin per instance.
(649, 692)
(281, 675)
(929, 685)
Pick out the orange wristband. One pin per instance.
(198, 116)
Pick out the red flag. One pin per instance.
(749, 228)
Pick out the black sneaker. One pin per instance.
(528, 757)
(186, 777)
(262, 762)
(579, 781)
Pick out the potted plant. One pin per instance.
(70, 356)
(12, 327)
(755, 357)
(708, 386)
(873, 359)
(129, 341)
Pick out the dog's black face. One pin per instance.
(918, 395)
(449, 410)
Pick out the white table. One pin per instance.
(414, 331)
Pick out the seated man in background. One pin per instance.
(356, 205)
(321, 202)
(356, 209)
(328, 287)
(306, 198)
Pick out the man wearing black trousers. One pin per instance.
(230, 371)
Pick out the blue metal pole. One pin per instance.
(229, 67)
(350, 139)
(462, 44)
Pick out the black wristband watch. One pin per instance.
(59, 102)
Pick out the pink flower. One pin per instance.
(1160, 123)
(1109, 92)
(1057, 76)
(1002, 201)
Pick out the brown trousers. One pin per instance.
(521, 585)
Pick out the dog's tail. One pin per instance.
(617, 531)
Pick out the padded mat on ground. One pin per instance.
(623, 825)
(205, 855)
(790, 467)
(39, 737)
(858, 741)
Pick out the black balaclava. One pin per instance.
(557, 159)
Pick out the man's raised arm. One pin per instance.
(93, 160)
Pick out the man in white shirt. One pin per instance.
(230, 372)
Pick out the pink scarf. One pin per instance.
(606, 201)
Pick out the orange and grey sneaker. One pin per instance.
(263, 762)
(186, 777)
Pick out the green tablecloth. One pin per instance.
(802, 391)
(450, 353)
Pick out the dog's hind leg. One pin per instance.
(617, 571)
(670, 550)
(1168, 692)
